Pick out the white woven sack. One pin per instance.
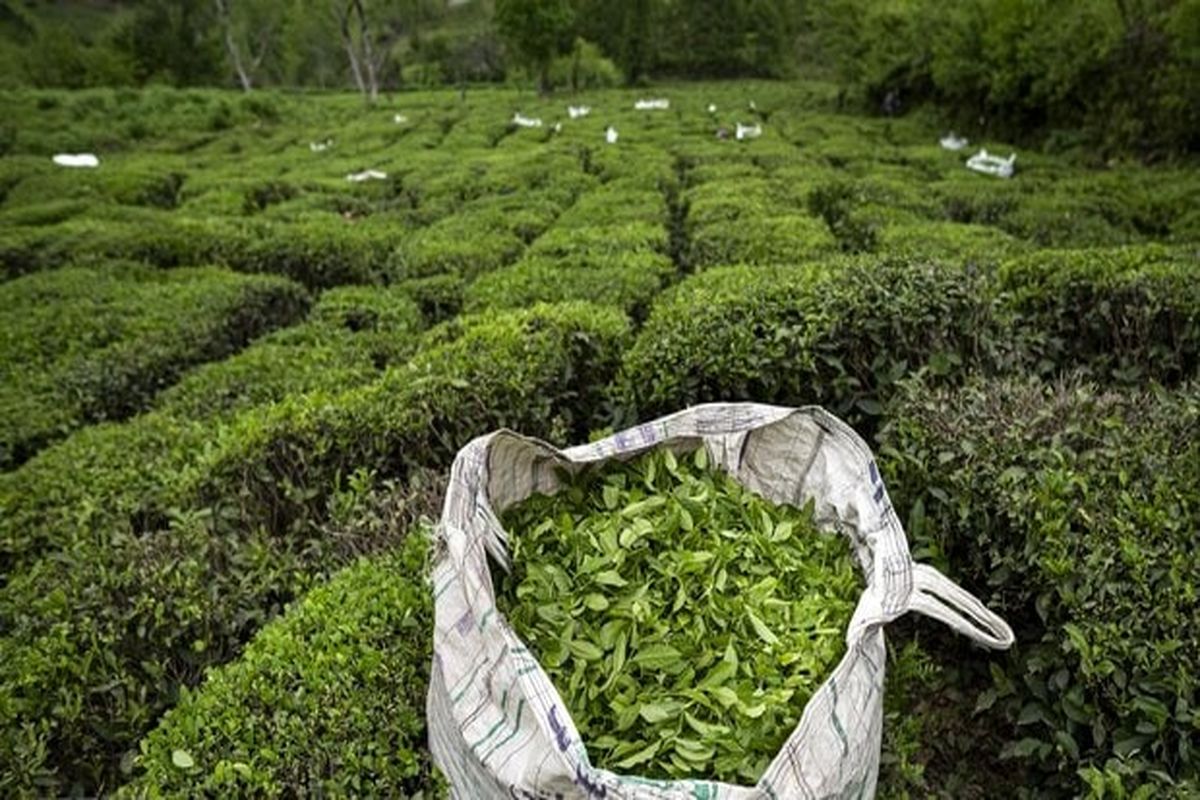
(497, 726)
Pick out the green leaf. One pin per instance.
(657, 712)
(585, 650)
(610, 578)
(596, 602)
(761, 629)
(656, 656)
(640, 757)
(182, 759)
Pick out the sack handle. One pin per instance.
(935, 595)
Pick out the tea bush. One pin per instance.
(1076, 507)
(87, 345)
(1129, 314)
(839, 334)
(629, 281)
(232, 532)
(763, 241)
(328, 699)
(114, 472)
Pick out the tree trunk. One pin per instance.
(348, 42)
(235, 54)
(368, 56)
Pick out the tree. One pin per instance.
(173, 40)
(537, 30)
(249, 31)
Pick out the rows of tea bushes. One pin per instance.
(827, 262)
(190, 533)
(930, 287)
(88, 345)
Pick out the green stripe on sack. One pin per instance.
(516, 729)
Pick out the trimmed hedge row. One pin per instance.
(542, 371)
(839, 334)
(86, 345)
(1128, 314)
(352, 334)
(466, 244)
(108, 472)
(628, 281)
(132, 606)
(597, 240)
(1076, 508)
(978, 244)
(322, 252)
(328, 700)
(617, 203)
(786, 239)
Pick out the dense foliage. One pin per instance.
(1073, 509)
(85, 346)
(1124, 72)
(250, 729)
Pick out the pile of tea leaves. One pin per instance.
(685, 620)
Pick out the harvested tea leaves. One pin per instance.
(685, 620)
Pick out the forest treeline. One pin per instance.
(1122, 74)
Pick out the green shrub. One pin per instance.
(761, 241)
(1058, 221)
(1129, 313)
(126, 184)
(836, 202)
(977, 199)
(839, 334)
(1076, 508)
(978, 244)
(467, 244)
(615, 204)
(439, 297)
(610, 240)
(541, 371)
(187, 541)
(731, 200)
(260, 196)
(95, 344)
(319, 253)
(628, 281)
(352, 334)
(50, 212)
(336, 687)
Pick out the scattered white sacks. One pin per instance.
(399, 119)
(652, 105)
(320, 147)
(576, 112)
(952, 142)
(992, 165)
(366, 175)
(610, 135)
(712, 108)
(526, 122)
(748, 131)
(76, 160)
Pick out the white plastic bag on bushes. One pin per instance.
(498, 727)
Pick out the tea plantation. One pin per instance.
(233, 380)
